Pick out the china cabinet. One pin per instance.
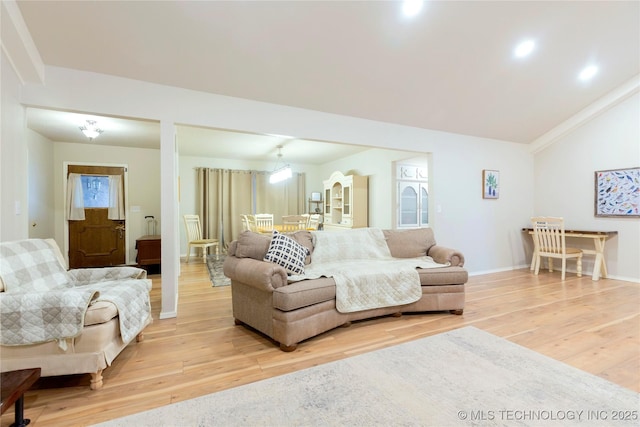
(345, 201)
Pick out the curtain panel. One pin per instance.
(223, 195)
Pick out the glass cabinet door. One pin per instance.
(346, 201)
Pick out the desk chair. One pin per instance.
(194, 237)
(549, 241)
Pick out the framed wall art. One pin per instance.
(617, 192)
(490, 184)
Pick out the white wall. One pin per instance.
(41, 186)
(564, 182)
(143, 189)
(487, 231)
(13, 157)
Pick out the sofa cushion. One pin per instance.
(409, 243)
(252, 245)
(305, 239)
(100, 312)
(287, 253)
(304, 293)
(31, 265)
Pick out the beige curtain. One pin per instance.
(116, 199)
(75, 200)
(282, 198)
(223, 195)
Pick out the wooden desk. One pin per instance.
(149, 252)
(599, 238)
(14, 384)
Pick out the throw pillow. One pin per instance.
(287, 253)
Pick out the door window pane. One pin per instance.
(95, 191)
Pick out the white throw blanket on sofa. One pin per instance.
(366, 274)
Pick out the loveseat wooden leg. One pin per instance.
(288, 348)
(456, 312)
(238, 322)
(96, 380)
(140, 337)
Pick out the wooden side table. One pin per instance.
(14, 384)
(149, 252)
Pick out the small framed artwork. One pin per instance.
(490, 184)
(617, 193)
(316, 196)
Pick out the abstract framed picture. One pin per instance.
(490, 184)
(617, 193)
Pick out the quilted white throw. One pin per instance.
(366, 274)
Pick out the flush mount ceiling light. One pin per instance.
(91, 130)
(587, 73)
(524, 48)
(411, 7)
(282, 173)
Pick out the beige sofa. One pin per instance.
(66, 322)
(265, 299)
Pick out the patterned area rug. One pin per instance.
(466, 377)
(215, 271)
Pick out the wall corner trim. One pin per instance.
(613, 98)
(18, 45)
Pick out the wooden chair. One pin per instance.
(194, 237)
(549, 241)
(296, 222)
(264, 223)
(314, 222)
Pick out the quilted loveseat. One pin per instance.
(66, 322)
(328, 279)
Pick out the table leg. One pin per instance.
(19, 413)
(599, 267)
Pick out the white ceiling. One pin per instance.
(450, 68)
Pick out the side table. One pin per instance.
(13, 385)
(149, 251)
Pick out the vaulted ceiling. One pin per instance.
(449, 68)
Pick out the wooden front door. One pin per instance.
(96, 241)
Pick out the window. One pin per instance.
(95, 191)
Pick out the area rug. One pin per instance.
(466, 377)
(215, 271)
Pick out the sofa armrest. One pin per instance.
(84, 276)
(262, 275)
(443, 255)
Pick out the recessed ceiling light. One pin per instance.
(524, 48)
(411, 7)
(588, 72)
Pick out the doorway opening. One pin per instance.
(96, 221)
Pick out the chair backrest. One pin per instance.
(549, 235)
(296, 221)
(264, 221)
(194, 229)
(314, 222)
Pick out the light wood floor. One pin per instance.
(594, 326)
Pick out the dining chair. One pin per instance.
(295, 222)
(264, 222)
(195, 240)
(314, 222)
(549, 241)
